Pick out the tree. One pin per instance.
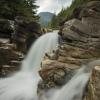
(54, 22)
(11, 8)
(66, 13)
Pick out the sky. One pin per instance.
(53, 6)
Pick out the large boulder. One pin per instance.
(55, 73)
(94, 85)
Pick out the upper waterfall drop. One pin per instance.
(44, 44)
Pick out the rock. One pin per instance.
(49, 30)
(94, 25)
(10, 59)
(26, 33)
(4, 41)
(94, 85)
(90, 16)
(78, 25)
(91, 9)
(44, 85)
(85, 10)
(7, 70)
(44, 30)
(53, 55)
(80, 44)
(7, 54)
(56, 72)
(15, 63)
(16, 38)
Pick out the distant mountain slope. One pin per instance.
(45, 18)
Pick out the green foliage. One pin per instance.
(67, 12)
(11, 8)
(54, 22)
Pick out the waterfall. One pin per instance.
(74, 89)
(23, 85)
(45, 43)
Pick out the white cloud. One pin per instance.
(53, 6)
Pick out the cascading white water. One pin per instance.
(46, 43)
(23, 85)
(74, 89)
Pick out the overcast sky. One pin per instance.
(53, 6)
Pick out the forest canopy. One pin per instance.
(9, 9)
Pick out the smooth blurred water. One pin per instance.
(75, 88)
(44, 44)
(23, 85)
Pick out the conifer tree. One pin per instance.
(11, 8)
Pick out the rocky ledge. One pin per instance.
(80, 44)
(93, 92)
(16, 37)
(10, 58)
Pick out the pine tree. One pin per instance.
(11, 8)
(54, 22)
